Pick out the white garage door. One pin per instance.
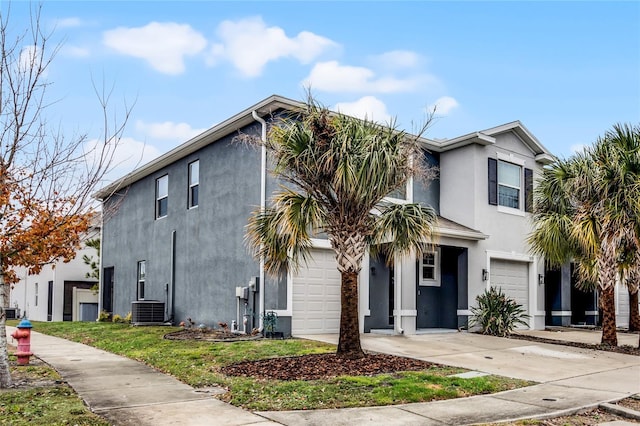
(513, 278)
(316, 295)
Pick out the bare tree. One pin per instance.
(46, 177)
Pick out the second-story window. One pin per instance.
(162, 196)
(509, 184)
(194, 183)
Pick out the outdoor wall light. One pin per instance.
(485, 275)
(540, 279)
(373, 271)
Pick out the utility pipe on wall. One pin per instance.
(263, 204)
(397, 280)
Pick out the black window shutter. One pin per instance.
(493, 181)
(528, 190)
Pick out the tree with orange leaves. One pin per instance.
(46, 180)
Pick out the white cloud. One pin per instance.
(75, 51)
(249, 45)
(397, 59)
(368, 107)
(332, 77)
(68, 22)
(127, 156)
(30, 59)
(443, 105)
(163, 45)
(577, 148)
(168, 130)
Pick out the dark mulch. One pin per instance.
(628, 350)
(210, 335)
(321, 366)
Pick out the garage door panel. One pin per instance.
(316, 295)
(513, 278)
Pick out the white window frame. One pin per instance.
(435, 281)
(516, 161)
(160, 197)
(141, 279)
(193, 185)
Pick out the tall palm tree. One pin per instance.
(336, 170)
(587, 209)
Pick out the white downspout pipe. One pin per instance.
(263, 204)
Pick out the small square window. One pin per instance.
(429, 269)
(162, 196)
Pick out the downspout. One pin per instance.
(263, 203)
(398, 283)
(173, 275)
(100, 271)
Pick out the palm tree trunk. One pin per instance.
(349, 342)
(634, 311)
(608, 306)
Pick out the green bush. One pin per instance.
(117, 318)
(104, 316)
(497, 314)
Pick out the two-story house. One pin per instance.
(174, 233)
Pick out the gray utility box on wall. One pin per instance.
(147, 312)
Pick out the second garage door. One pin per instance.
(513, 278)
(316, 295)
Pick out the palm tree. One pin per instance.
(587, 209)
(335, 171)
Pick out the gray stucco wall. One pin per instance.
(211, 257)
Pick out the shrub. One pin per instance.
(128, 317)
(104, 316)
(497, 314)
(117, 318)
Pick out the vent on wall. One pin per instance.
(147, 312)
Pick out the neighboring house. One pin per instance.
(173, 237)
(60, 292)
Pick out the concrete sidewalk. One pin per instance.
(127, 392)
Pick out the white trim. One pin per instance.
(511, 210)
(561, 313)
(591, 313)
(457, 233)
(520, 257)
(392, 200)
(464, 312)
(510, 158)
(405, 312)
(320, 243)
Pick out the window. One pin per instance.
(141, 279)
(36, 295)
(194, 183)
(162, 196)
(429, 269)
(509, 184)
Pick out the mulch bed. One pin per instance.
(321, 366)
(209, 335)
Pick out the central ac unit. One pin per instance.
(147, 312)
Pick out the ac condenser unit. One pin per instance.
(147, 312)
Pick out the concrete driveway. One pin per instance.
(521, 359)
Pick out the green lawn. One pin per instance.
(198, 363)
(48, 402)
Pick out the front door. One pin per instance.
(437, 300)
(50, 302)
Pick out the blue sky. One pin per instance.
(567, 70)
